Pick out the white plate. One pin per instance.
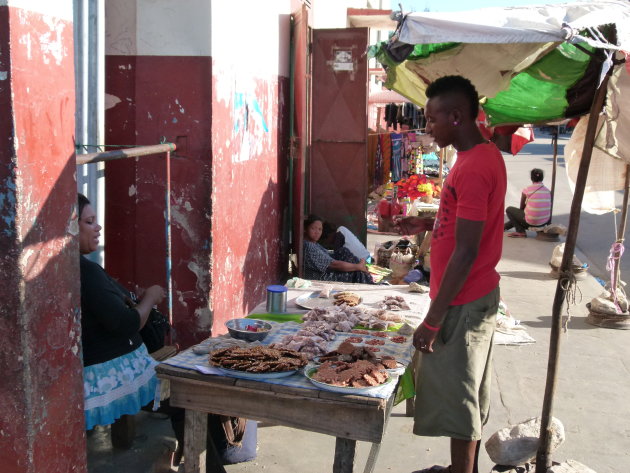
(309, 371)
(312, 300)
(248, 375)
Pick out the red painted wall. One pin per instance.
(249, 169)
(227, 218)
(41, 414)
(162, 96)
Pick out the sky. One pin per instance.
(459, 5)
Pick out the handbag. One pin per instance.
(155, 330)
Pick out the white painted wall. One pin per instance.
(60, 9)
(250, 34)
(158, 27)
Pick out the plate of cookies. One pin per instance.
(317, 299)
(359, 377)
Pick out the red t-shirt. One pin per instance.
(474, 190)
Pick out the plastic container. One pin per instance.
(276, 299)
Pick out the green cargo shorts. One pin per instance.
(453, 382)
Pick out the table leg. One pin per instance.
(410, 406)
(345, 451)
(376, 447)
(195, 435)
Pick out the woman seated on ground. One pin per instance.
(343, 266)
(535, 208)
(118, 373)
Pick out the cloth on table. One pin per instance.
(403, 352)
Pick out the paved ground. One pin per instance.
(597, 232)
(591, 397)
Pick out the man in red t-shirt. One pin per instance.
(455, 338)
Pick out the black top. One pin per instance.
(109, 326)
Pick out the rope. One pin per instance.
(614, 256)
(569, 285)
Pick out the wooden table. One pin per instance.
(348, 418)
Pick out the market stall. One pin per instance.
(530, 65)
(295, 400)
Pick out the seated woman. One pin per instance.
(118, 373)
(320, 265)
(535, 208)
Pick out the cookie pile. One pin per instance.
(358, 374)
(260, 359)
(348, 298)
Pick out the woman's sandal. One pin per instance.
(517, 235)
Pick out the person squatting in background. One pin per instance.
(534, 210)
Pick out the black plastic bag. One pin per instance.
(155, 330)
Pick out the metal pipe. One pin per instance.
(543, 456)
(95, 111)
(81, 82)
(169, 280)
(125, 153)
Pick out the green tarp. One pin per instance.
(539, 93)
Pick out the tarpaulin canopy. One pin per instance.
(530, 64)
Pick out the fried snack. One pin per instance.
(348, 298)
(260, 359)
(357, 374)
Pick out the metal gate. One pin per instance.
(338, 160)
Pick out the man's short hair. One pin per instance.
(455, 85)
(537, 175)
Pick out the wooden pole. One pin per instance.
(543, 456)
(554, 170)
(622, 225)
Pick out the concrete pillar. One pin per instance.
(41, 413)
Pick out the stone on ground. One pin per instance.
(517, 445)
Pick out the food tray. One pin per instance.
(254, 376)
(310, 370)
(312, 300)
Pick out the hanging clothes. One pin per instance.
(386, 151)
(397, 156)
(373, 157)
